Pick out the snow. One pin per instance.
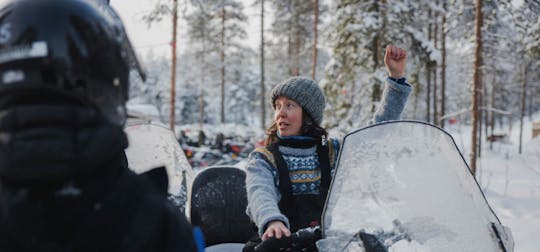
(434, 53)
(146, 110)
(511, 182)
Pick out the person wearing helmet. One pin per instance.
(288, 179)
(64, 180)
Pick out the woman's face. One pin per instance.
(288, 116)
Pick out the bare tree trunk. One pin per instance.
(480, 118)
(416, 94)
(203, 80)
(290, 46)
(263, 88)
(435, 100)
(492, 114)
(523, 95)
(290, 51)
(376, 91)
(428, 92)
(222, 57)
(173, 67)
(443, 65)
(530, 109)
(296, 67)
(428, 75)
(315, 35)
(201, 97)
(293, 41)
(476, 82)
(486, 112)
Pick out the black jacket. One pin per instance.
(115, 210)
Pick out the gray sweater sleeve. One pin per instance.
(395, 97)
(262, 192)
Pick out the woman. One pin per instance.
(288, 179)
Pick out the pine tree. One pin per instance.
(356, 74)
(202, 38)
(232, 31)
(525, 20)
(216, 29)
(290, 46)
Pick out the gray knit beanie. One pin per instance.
(304, 91)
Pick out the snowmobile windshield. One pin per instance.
(404, 186)
(152, 146)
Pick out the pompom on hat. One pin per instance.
(305, 92)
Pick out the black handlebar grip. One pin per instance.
(301, 240)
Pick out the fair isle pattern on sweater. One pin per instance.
(304, 173)
(303, 165)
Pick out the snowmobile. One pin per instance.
(153, 145)
(397, 186)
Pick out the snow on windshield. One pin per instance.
(407, 181)
(152, 146)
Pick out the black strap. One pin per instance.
(287, 201)
(324, 164)
(285, 186)
(298, 143)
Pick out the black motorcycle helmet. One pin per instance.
(68, 49)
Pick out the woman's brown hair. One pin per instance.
(309, 128)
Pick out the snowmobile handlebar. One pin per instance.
(298, 241)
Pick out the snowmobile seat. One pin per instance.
(218, 205)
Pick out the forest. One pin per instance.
(470, 62)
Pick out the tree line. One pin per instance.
(470, 61)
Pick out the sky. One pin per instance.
(158, 36)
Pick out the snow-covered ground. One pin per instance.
(510, 181)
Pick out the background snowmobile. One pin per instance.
(398, 186)
(152, 146)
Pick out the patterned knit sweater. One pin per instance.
(303, 165)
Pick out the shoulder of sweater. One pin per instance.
(261, 156)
